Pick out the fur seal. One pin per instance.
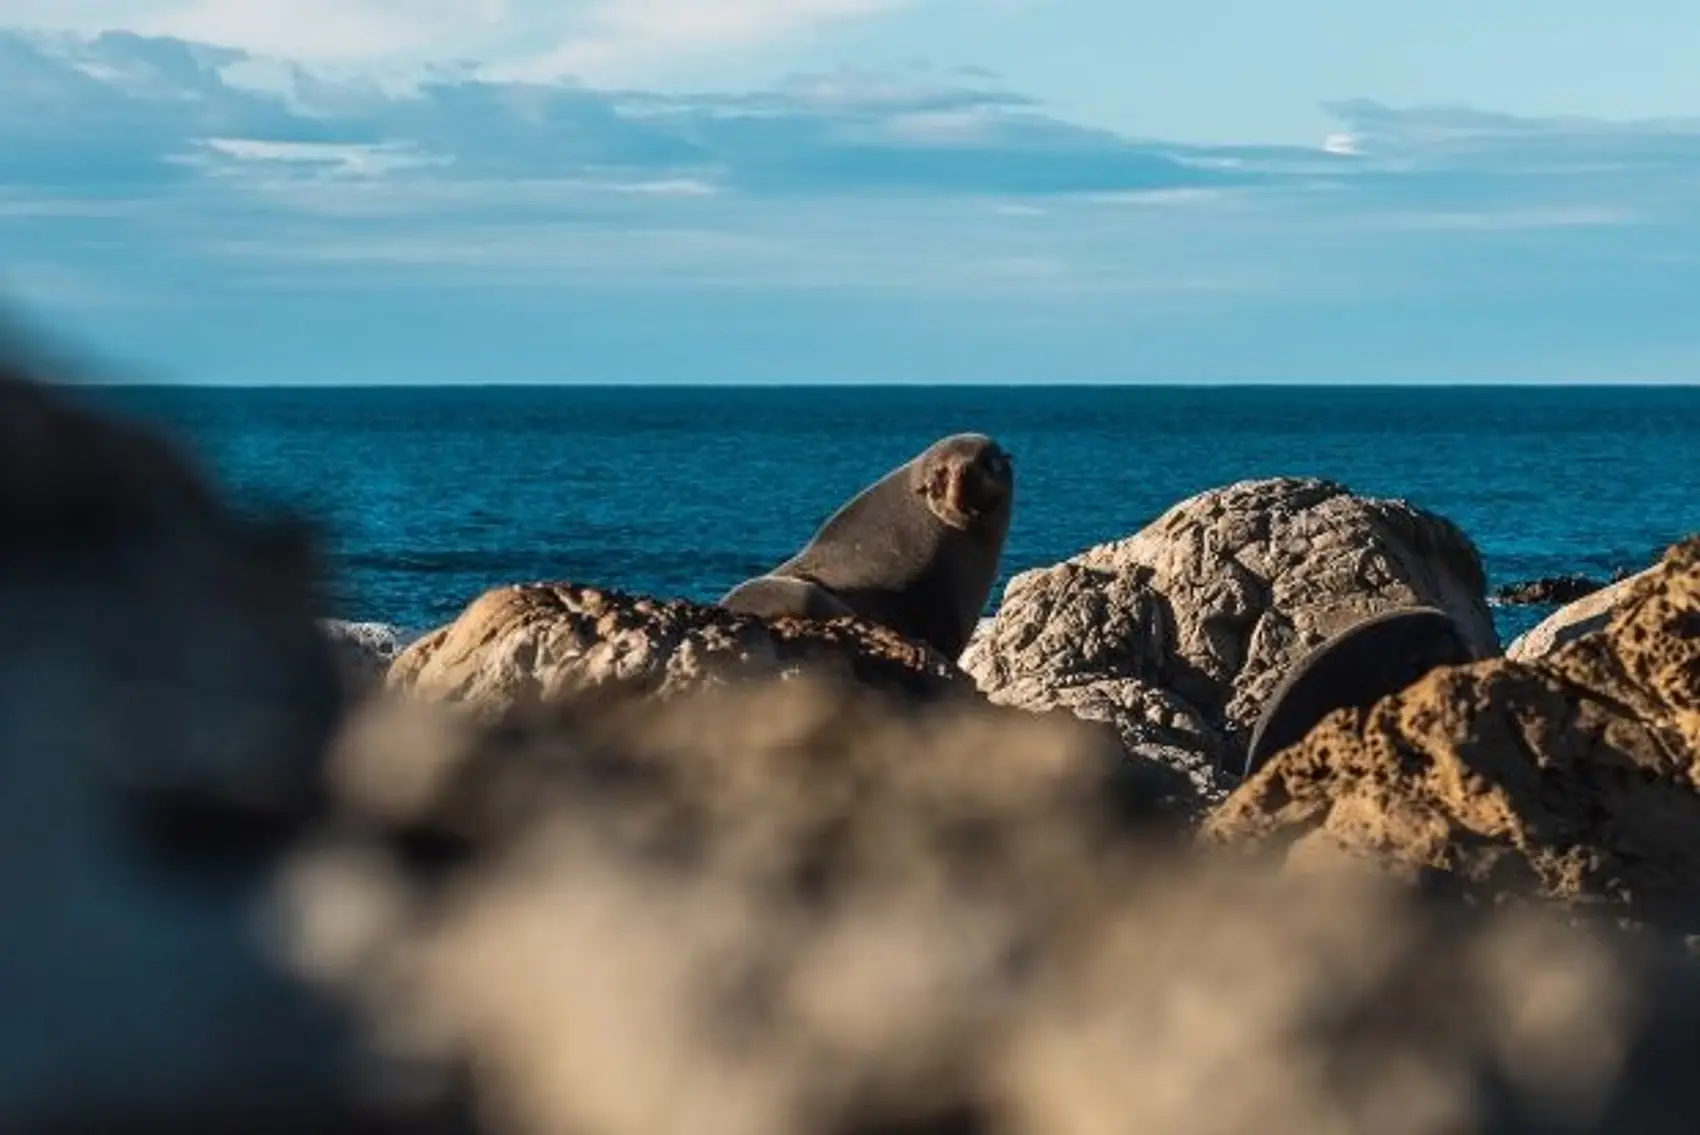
(1368, 661)
(917, 551)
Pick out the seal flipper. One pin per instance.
(777, 596)
(1357, 668)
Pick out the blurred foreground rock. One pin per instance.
(797, 909)
(165, 699)
(1178, 634)
(1576, 777)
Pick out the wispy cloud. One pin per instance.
(941, 208)
(587, 40)
(620, 40)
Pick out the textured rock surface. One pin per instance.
(365, 651)
(523, 645)
(1583, 617)
(1180, 632)
(1576, 777)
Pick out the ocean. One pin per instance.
(427, 496)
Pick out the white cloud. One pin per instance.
(351, 159)
(619, 40)
(593, 40)
(314, 30)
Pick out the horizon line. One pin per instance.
(1240, 384)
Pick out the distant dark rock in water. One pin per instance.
(1178, 635)
(1573, 621)
(1573, 776)
(1549, 591)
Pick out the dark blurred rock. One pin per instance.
(165, 700)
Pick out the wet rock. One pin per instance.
(1179, 633)
(1547, 591)
(1575, 778)
(365, 651)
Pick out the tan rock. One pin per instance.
(1194, 621)
(535, 643)
(1571, 622)
(768, 910)
(1576, 777)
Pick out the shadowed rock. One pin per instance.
(165, 698)
(1576, 777)
(365, 651)
(1180, 633)
(1357, 668)
(1549, 590)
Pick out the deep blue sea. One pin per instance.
(427, 496)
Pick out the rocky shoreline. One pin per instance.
(589, 861)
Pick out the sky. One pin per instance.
(1222, 191)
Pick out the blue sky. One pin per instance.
(269, 191)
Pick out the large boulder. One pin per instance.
(1180, 633)
(1576, 778)
(1569, 623)
(530, 644)
(777, 909)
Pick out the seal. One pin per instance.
(1357, 668)
(917, 551)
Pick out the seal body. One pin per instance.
(917, 551)
(1357, 668)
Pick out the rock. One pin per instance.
(796, 909)
(365, 651)
(1583, 617)
(1575, 778)
(165, 700)
(1179, 633)
(534, 643)
(1550, 590)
